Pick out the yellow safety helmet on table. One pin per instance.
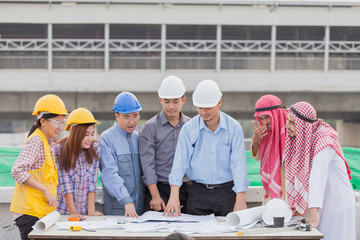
(80, 116)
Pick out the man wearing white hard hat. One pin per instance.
(157, 143)
(211, 152)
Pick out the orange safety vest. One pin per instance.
(30, 201)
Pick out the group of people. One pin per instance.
(178, 164)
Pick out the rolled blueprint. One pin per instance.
(44, 223)
(244, 217)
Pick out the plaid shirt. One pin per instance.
(32, 157)
(79, 181)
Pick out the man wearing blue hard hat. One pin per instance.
(119, 160)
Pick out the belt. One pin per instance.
(214, 186)
(184, 183)
(165, 183)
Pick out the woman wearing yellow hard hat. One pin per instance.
(35, 170)
(77, 159)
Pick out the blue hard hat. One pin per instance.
(126, 102)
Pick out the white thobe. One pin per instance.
(330, 190)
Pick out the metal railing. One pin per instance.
(129, 62)
(78, 45)
(80, 54)
(245, 63)
(23, 62)
(300, 46)
(23, 44)
(78, 62)
(191, 62)
(134, 45)
(245, 46)
(299, 63)
(341, 63)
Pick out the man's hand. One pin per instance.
(130, 210)
(240, 203)
(259, 132)
(157, 203)
(173, 205)
(172, 208)
(314, 217)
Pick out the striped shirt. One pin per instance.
(79, 181)
(32, 157)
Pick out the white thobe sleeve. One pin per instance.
(318, 177)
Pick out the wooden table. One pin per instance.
(53, 233)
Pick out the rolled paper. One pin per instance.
(44, 223)
(244, 217)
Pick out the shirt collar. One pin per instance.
(51, 144)
(222, 123)
(164, 120)
(118, 128)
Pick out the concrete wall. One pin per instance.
(349, 133)
(180, 14)
(239, 104)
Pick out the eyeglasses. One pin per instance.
(129, 117)
(56, 123)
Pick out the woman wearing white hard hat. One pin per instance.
(77, 159)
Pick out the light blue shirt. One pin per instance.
(211, 157)
(120, 171)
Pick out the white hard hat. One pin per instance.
(207, 94)
(171, 87)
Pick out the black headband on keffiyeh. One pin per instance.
(268, 108)
(301, 116)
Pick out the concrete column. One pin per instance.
(49, 53)
(348, 133)
(326, 54)
(218, 48)
(163, 48)
(106, 50)
(273, 49)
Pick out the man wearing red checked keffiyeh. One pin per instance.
(268, 143)
(317, 175)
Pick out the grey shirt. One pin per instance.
(157, 144)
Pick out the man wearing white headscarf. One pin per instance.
(317, 175)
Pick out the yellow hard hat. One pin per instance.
(80, 116)
(50, 103)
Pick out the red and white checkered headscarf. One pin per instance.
(311, 138)
(272, 145)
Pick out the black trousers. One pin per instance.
(204, 201)
(164, 190)
(25, 223)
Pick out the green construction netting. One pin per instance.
(352, 155)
